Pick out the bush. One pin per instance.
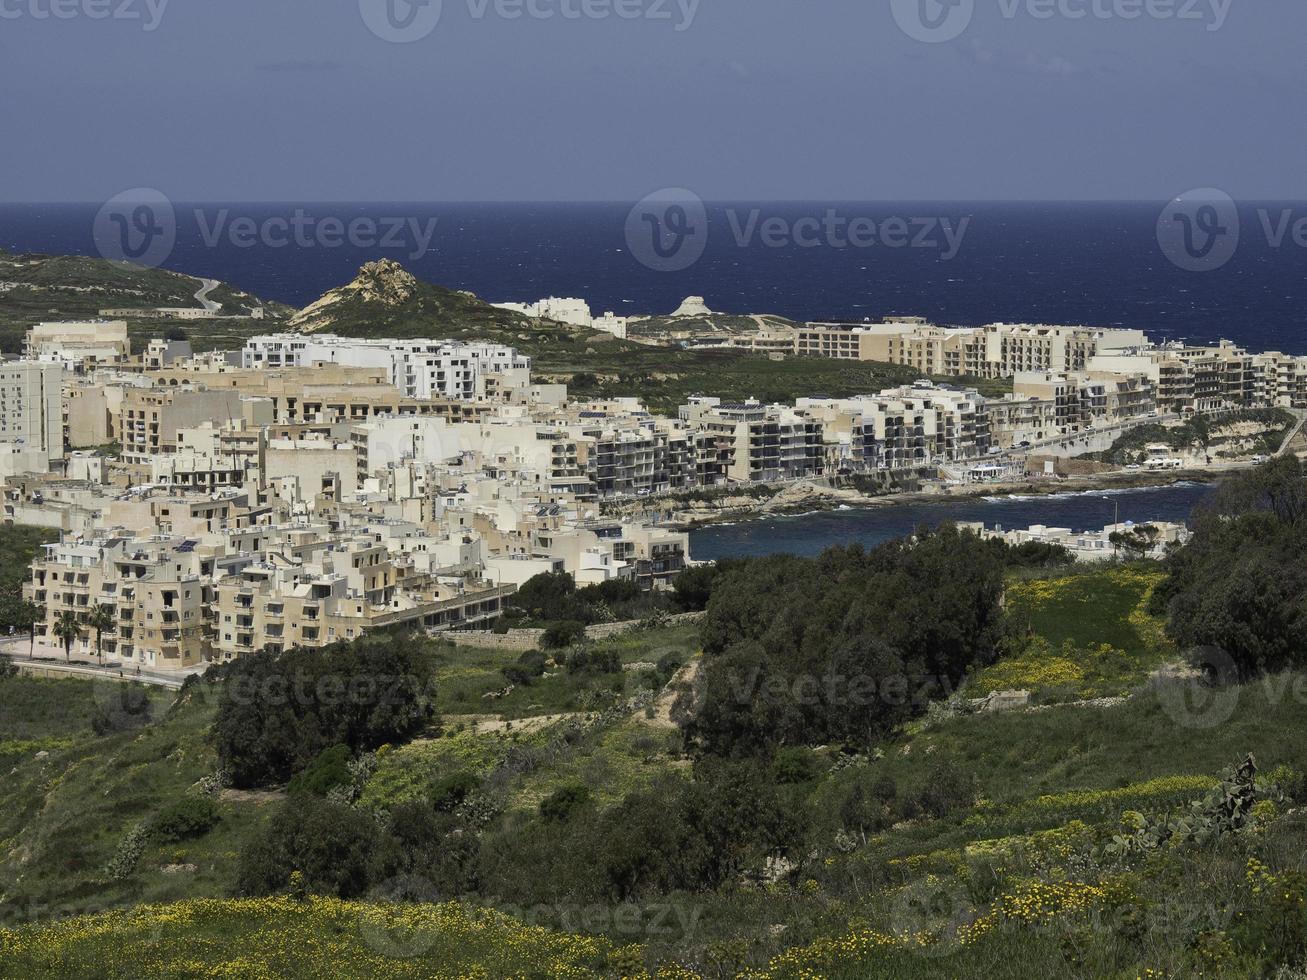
(329, 844)
(562, 634)
(329, 770)
(191, 816)
(796, 764)
(276, 714)
(562, 803)
(7, 667)
(453, 789)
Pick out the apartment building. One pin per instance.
(152, 417)
(751, 442)
(336, 592)
(154, 588)
(31, 416)
(422, 369)
(993, 351)
(79, 346)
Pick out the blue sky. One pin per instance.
(734, 99)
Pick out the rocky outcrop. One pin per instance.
(384, 283)
(693, 306)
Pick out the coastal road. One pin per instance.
(202, 295)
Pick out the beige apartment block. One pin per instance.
(282, 602)
(79, 346)
(153, 588)
(151, 418)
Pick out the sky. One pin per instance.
(878, 100)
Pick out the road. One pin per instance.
(50, 661)
(202, 295)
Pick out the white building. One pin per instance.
(418, 368)
(564, 310)
(31, 415)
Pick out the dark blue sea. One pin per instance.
(810, 534)
(1090, 263)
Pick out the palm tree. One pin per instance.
(101, 620)
(29, 614)
(67, 630)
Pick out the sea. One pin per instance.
(1092, 263)
(1084, 263)
(810, 534)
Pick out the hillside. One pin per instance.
(1015, 844)
(36, 287)
(385, 300)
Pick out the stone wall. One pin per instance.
(523, 640)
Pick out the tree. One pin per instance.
(100, 621)
(276, 714)
(1138, 541)
(29, 614)
(67, 630)
(1237, 584)
(845, 646)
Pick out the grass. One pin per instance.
(64, 816)
(1046, 788)
(1090, 635)
(465, 674)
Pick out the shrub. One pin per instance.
(453, 789)
(328, 845)
(562, 634)
(559, 805)
(329, 770)
(191, 816)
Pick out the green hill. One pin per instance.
(1013, 844)
(35, 288)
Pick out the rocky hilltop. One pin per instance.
(386, 300)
